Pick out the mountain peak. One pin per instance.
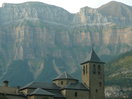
(86, 8)
(113, 4)
(115, 9)
(29, 3)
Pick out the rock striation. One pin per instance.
(48, 40)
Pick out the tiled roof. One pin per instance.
(64, 76)
(43, 85)
(50, 87)
(76, 86)
(57, 93)
(93, 58)
(40, 91)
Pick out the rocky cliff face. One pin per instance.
(34, 11)
(50, 40)
(117, 12)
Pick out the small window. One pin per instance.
(100, 84)
(99, 69)
(84, 70)
(96, 90)
(61, 82)
(75, 94)
(45, 98)
(94, 69)
(99, 72)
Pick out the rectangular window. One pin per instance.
(94, 69)
(96, 90)
(99, 69)
(75, 94)
(100, 84)
(45, 98)
(84, 70)
(61, 82)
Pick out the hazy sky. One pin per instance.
(71, 5)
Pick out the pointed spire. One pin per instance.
(93, 58)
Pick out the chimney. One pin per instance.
(5, 83)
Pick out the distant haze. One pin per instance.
(71, 5)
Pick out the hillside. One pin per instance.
(119, 71)
(119, 76)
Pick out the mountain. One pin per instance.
(117, 12)
(119, 75)
(34, 11)
(38, 40)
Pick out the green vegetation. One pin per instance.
(119, 71)
(2, 96)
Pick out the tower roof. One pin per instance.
(40, 91)
(93, 58)
(64, 76)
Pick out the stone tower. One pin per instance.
(93, 76)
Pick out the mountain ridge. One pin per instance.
(71, 16)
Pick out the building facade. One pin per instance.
(64, 86)
(93, 76)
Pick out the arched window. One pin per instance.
(61, 82)
(94, 69)
(84, 70)
(99, 69)
(100, 84)
(75, 94)
(96, 90)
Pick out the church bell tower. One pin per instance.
(93, 76)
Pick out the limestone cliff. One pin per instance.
(50, 40)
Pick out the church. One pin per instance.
(65, 86)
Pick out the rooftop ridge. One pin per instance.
(76, 86)
(64, 76)
(40, 91)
